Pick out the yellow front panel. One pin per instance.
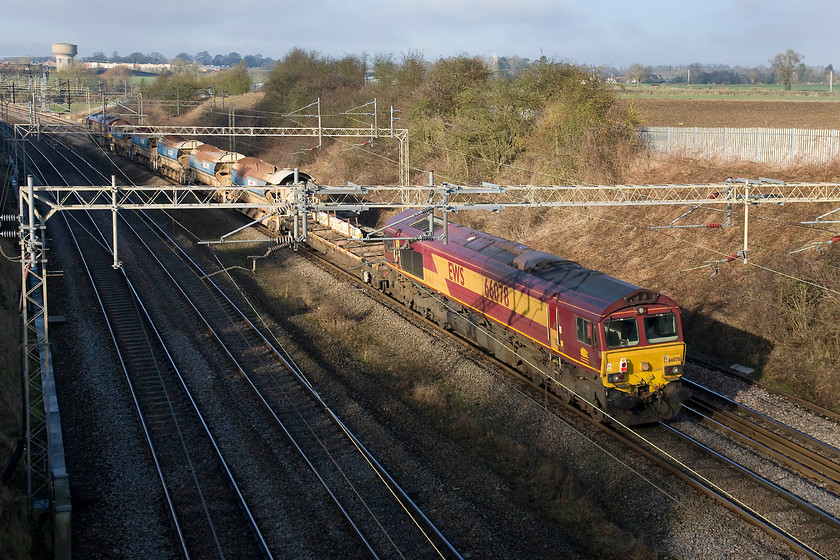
(657, 356)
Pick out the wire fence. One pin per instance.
(764, 145)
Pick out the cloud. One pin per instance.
(746, 32)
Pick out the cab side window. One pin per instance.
(584, 331)
(661, 328)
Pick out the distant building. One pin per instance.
(494, 65)
(65, 55)
(138, 66)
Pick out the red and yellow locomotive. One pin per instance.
(615, 348)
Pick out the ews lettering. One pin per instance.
(497, 292)
(456, 273)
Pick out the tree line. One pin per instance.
(203, 58)
(467, 120)
(786, 68)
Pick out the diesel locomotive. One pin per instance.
(615, 348)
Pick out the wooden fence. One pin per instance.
(765, 145)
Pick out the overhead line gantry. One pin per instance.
(445, 198)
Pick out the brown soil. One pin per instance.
(738, 113)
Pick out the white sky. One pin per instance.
(597, 32)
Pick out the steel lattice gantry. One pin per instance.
(445, 198)
(308, 198)
(47, 478)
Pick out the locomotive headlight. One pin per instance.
(617, 377)
(673, 370)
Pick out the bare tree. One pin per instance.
(786, 65)
(636, 73)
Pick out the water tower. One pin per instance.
(65, 53)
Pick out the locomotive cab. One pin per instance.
(643, 356)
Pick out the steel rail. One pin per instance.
(444, 548)
(811, 407)
(243, 371)
(182, 546)
(806, 454)
(759, 518)
(788, 496)
(254, 529)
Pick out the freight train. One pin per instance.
(615, 349)
(191, 161)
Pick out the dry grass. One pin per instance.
(420, 381)
(745, 314)
(764, 314)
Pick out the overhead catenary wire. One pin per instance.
(726, 256)
(723, 254)
(672, 236)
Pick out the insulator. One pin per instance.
(732, 257)
(714, 225)
(835, 239)
(8, 234)
(9, 218)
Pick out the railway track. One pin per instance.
(795, 450)
(801, 544)
(797, 521)
(387, 523)
(755, 493)
(208, 513)
(802, 403)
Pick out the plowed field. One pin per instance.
(738, 113)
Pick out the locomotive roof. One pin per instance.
(540, 272)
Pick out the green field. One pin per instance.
(74, 107)
(801, 92)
